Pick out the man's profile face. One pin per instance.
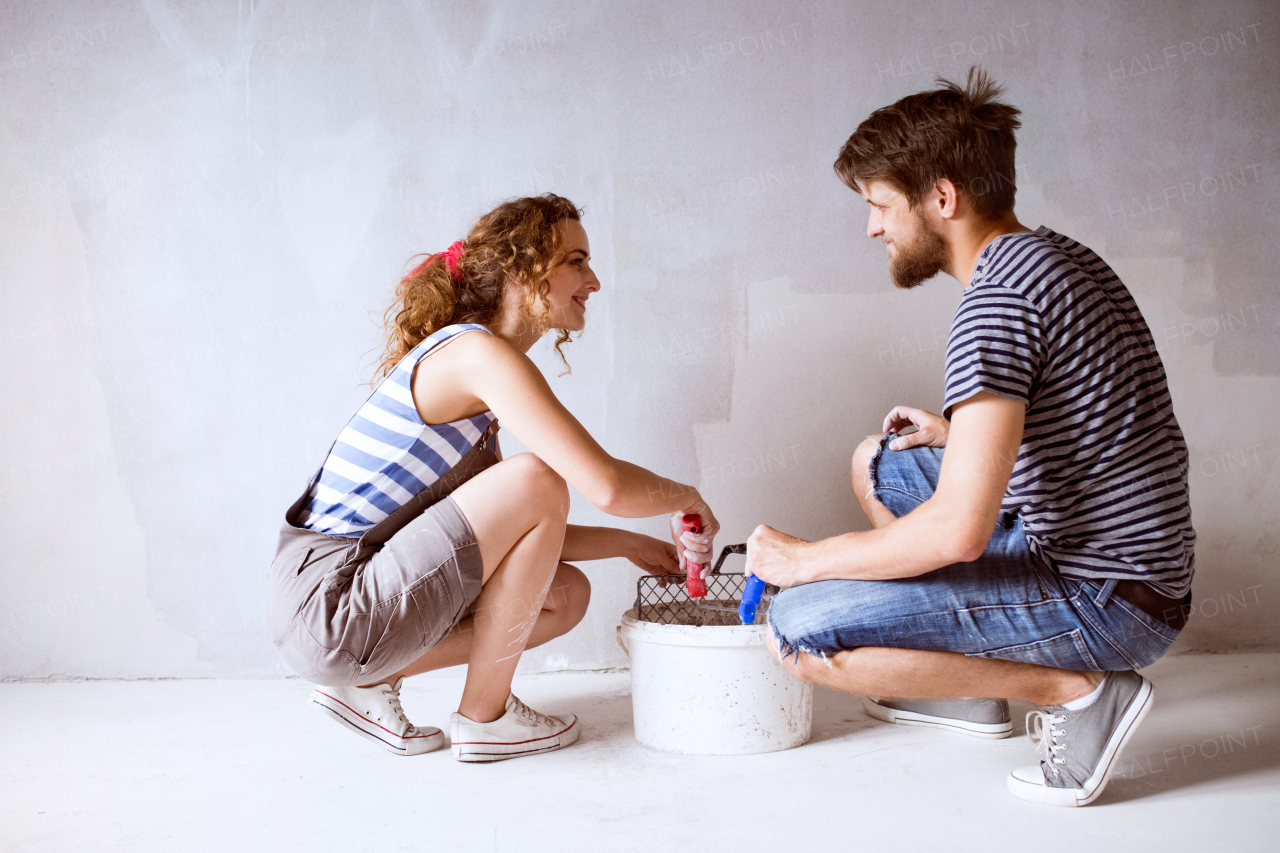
(916, 252)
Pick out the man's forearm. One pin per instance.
(592, 543)
(913, 545)
(952, 526)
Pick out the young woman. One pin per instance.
(417, 547)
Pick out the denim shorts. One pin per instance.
(1006, 604)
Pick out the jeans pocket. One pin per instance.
(1136, 637)
(1065, 651)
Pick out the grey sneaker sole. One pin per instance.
(335, 710)
(987, 731)
(501, 751)
(1094, 786)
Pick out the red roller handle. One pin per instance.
(694, 585)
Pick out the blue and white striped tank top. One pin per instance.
(386, 454)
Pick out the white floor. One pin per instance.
(247, 766)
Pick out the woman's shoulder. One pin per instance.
(473, 368)
(459, 328)
(456, 338)
(471, 337)
(473, 347)
(451, 332)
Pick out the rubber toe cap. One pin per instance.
(1027, 783)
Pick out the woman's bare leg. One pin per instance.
(563, 608)
(517, 510)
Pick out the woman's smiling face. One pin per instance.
(573, 281)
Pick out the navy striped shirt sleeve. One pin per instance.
(996, 345)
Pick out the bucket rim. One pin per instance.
(710, 636)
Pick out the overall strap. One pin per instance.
(476, 460)
(291, 514)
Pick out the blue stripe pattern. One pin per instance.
(386, 454)
(1101, 477)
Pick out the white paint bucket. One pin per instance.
(712, 690)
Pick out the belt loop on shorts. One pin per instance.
(1104, 594)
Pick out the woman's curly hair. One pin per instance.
(518, 238)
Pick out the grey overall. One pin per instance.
(344, 611)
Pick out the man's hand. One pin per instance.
(777, 558)
(931, 430)
(952, 526)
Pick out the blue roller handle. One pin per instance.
(751, 595)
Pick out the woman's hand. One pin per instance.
(931, 430)
(653, 555)
(695, 547)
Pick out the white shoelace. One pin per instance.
(1047, 739)
(394, 702)
(525, 712)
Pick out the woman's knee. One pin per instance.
(570, 592)
(539, 482)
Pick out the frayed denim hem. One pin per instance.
(873, 470)
(786, 648)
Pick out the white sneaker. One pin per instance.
(520, 731)
(375, 713)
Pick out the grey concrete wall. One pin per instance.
(204, 206)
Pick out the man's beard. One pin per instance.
(918, 259)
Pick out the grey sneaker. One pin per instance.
(1081, 747)
(984, 718)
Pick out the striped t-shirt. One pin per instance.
(1100, 482)
(386, 454)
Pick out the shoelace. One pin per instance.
(1046, 739)
(524, 711)
(394, 702)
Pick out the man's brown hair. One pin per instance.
(962, 134)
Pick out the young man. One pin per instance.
(1047, 553)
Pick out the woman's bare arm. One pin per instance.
(601, 543)
(477, 372)
(509, 383)
(592, 543)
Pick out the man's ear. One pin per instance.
(948, 200)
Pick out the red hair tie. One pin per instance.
(451, 256)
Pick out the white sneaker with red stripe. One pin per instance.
(375, 713)
(520, 731)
